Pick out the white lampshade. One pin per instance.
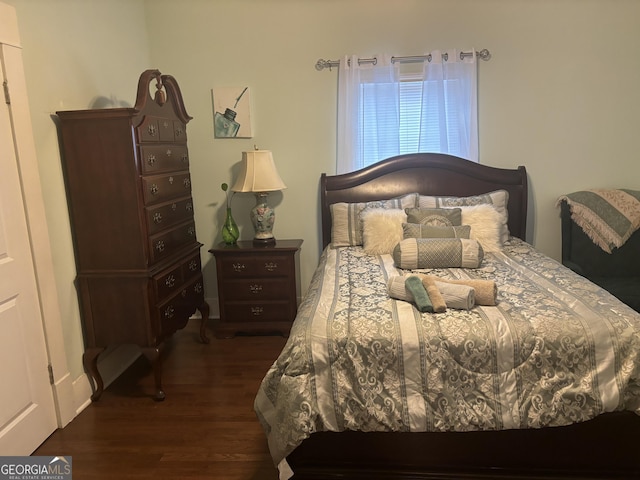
(258, 173)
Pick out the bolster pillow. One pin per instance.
(413, 253)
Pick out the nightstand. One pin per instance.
(258, 287)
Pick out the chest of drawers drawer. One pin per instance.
(170, 280)
(175, 311)
(170, 213)
(169, 241)
(154, 129)
(159, 188)
(163, 158)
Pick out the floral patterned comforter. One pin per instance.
(556, 350)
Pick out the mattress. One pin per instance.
(555, 350)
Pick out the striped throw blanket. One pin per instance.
(608, 217)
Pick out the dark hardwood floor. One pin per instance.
(205, 428)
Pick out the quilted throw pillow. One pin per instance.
(346, 221)
(413, 253)
(417, 230)
(435, 217)
(498, 198)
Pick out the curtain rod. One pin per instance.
(483, 54)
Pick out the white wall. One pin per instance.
(560, 94)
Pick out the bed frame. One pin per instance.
(605, 447)
(427, 174)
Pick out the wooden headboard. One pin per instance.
(427, 174)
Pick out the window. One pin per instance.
(386, 110)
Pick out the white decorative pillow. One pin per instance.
(381, 229)
(486, 225)
(498, 198)
(346, 224)
(413, 253)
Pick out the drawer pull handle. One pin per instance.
(152, 129)
(185, 158)
(255, 288)
(154, 189)
(170, 281)
(271, 266)
(191, 231)
(157, 218)
(189, 207)
(171, 180)
(187, 183)
(239, 267)
(174, 207)
(178, 132)
(193, 265)
(160, 246)
(169, 312)
(169, 152)
(257, 311)
(198, 288)
(151, 159)
(184, 293)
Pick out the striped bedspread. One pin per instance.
(608, 217)
(556, 350)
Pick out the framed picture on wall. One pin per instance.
(231, 112)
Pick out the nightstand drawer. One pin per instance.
(259, 311)
(256, 289)
(262, 266)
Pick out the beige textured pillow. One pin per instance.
(486, 225)
(382, 229)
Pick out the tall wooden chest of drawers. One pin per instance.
(258, 287)
(128, 186)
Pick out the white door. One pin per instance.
(27, 409)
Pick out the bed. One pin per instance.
(543, 384)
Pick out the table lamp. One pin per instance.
(258, 174)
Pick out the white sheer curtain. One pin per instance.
(385, 109)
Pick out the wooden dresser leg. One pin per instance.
(204, 313)
(90, 361)
(154, 355)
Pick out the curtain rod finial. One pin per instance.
(321, 64)
(484, 54)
